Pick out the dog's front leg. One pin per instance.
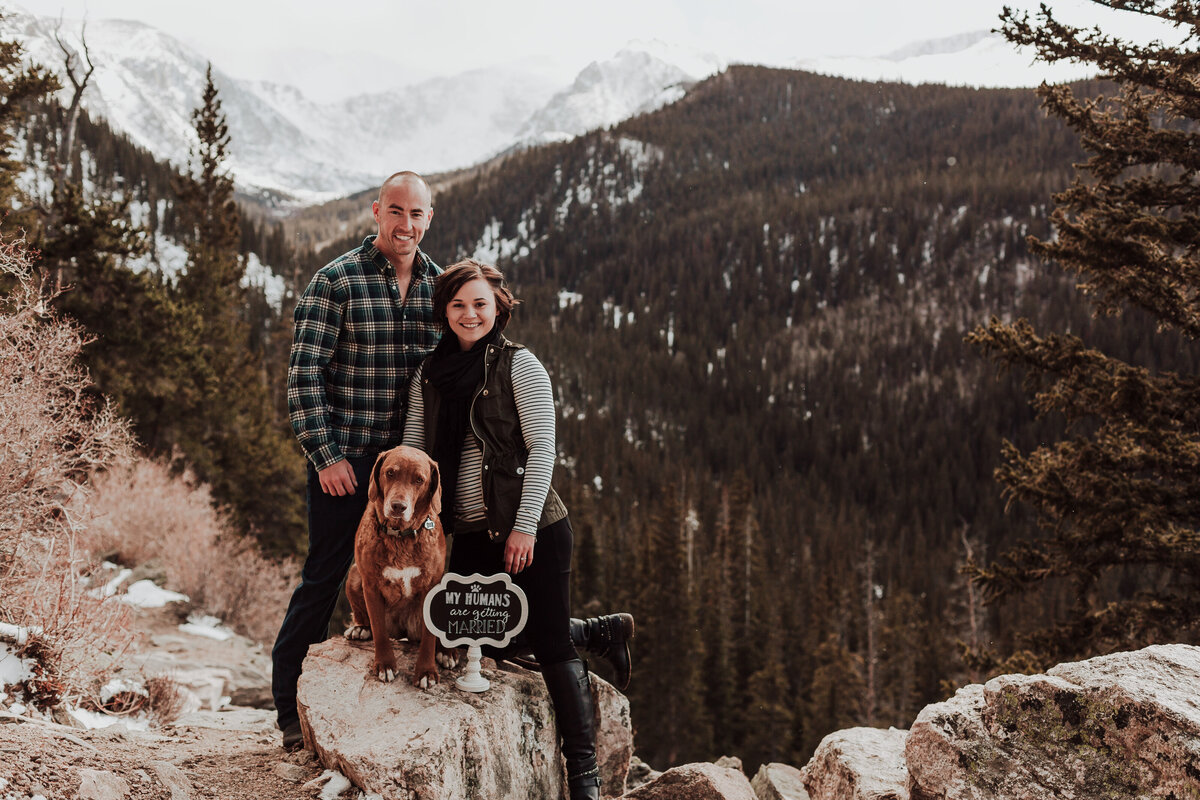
(385, 658)
(425, 672)
(360, 628)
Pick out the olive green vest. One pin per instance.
(494, 420)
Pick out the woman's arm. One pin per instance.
(414, 417)
(535, 409)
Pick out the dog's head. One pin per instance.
(404, 488)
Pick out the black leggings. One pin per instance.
(546, 583)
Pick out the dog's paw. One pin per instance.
(357, 633)
(447, 659)
(385, 674)
(425, 680)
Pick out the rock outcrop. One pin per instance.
(398, 741)
(1125, 725)
(1120, 726)
(776, 781)
(858, 764)
(696, 782)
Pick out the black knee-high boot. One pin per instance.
(571, 693)
(608, 637)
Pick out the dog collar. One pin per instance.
(402, 532)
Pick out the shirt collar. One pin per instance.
(420, 261)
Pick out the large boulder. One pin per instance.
(1125, 725)
(858, 764)
(401, 742)
(696, 782)
(777, 781)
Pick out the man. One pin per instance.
(361, 327)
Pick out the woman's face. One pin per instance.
(472, 312)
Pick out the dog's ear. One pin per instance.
(374, 493)
(434, 495)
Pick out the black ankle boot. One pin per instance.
(607, 637)
(571, 693)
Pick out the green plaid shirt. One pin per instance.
(355, 347)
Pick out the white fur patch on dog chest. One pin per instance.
(404, 577)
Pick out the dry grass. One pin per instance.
(144, 515)
(166, 701)
(54, 434)
(70, 488)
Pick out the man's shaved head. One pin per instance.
(403, 177)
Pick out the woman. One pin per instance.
(483, 408)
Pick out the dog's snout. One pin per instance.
(399, 507)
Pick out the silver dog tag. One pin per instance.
(428, 523)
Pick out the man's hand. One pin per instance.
(338, 479)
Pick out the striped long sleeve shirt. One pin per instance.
(534, 398)
(356, 344)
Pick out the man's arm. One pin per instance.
(318, 320)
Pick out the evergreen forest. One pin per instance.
(776, 444)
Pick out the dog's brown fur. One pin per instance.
(394, 571)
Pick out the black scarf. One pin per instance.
(456, 374)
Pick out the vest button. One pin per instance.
(485, 392)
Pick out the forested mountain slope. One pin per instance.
(776, 445)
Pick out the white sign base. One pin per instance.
(472, 680)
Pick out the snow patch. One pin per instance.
(13, 668)
(93, 720)
(259, 275)
(147, 594)
(209, 627)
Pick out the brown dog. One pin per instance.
(399, 554)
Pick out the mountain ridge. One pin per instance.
(290, 150)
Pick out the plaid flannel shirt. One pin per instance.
(355, 347)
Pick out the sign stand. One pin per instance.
(475, 610)
(472, 680)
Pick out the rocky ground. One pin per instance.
(234, 753)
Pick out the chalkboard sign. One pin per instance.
(476, 610)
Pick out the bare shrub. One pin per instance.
(145, 515)
(55, 432)
(166, 701)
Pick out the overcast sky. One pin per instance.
(362, 45)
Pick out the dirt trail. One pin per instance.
(231, 754)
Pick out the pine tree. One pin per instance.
(20, 84)
(1117, 497)
(205, 195)
(669, 691)
(227, 428)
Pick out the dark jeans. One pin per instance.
(547, 585)
(332, 522)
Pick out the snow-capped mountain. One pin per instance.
(642, 77)
(147, 83)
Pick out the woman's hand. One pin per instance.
(518, 551)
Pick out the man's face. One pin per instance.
(402, 213)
